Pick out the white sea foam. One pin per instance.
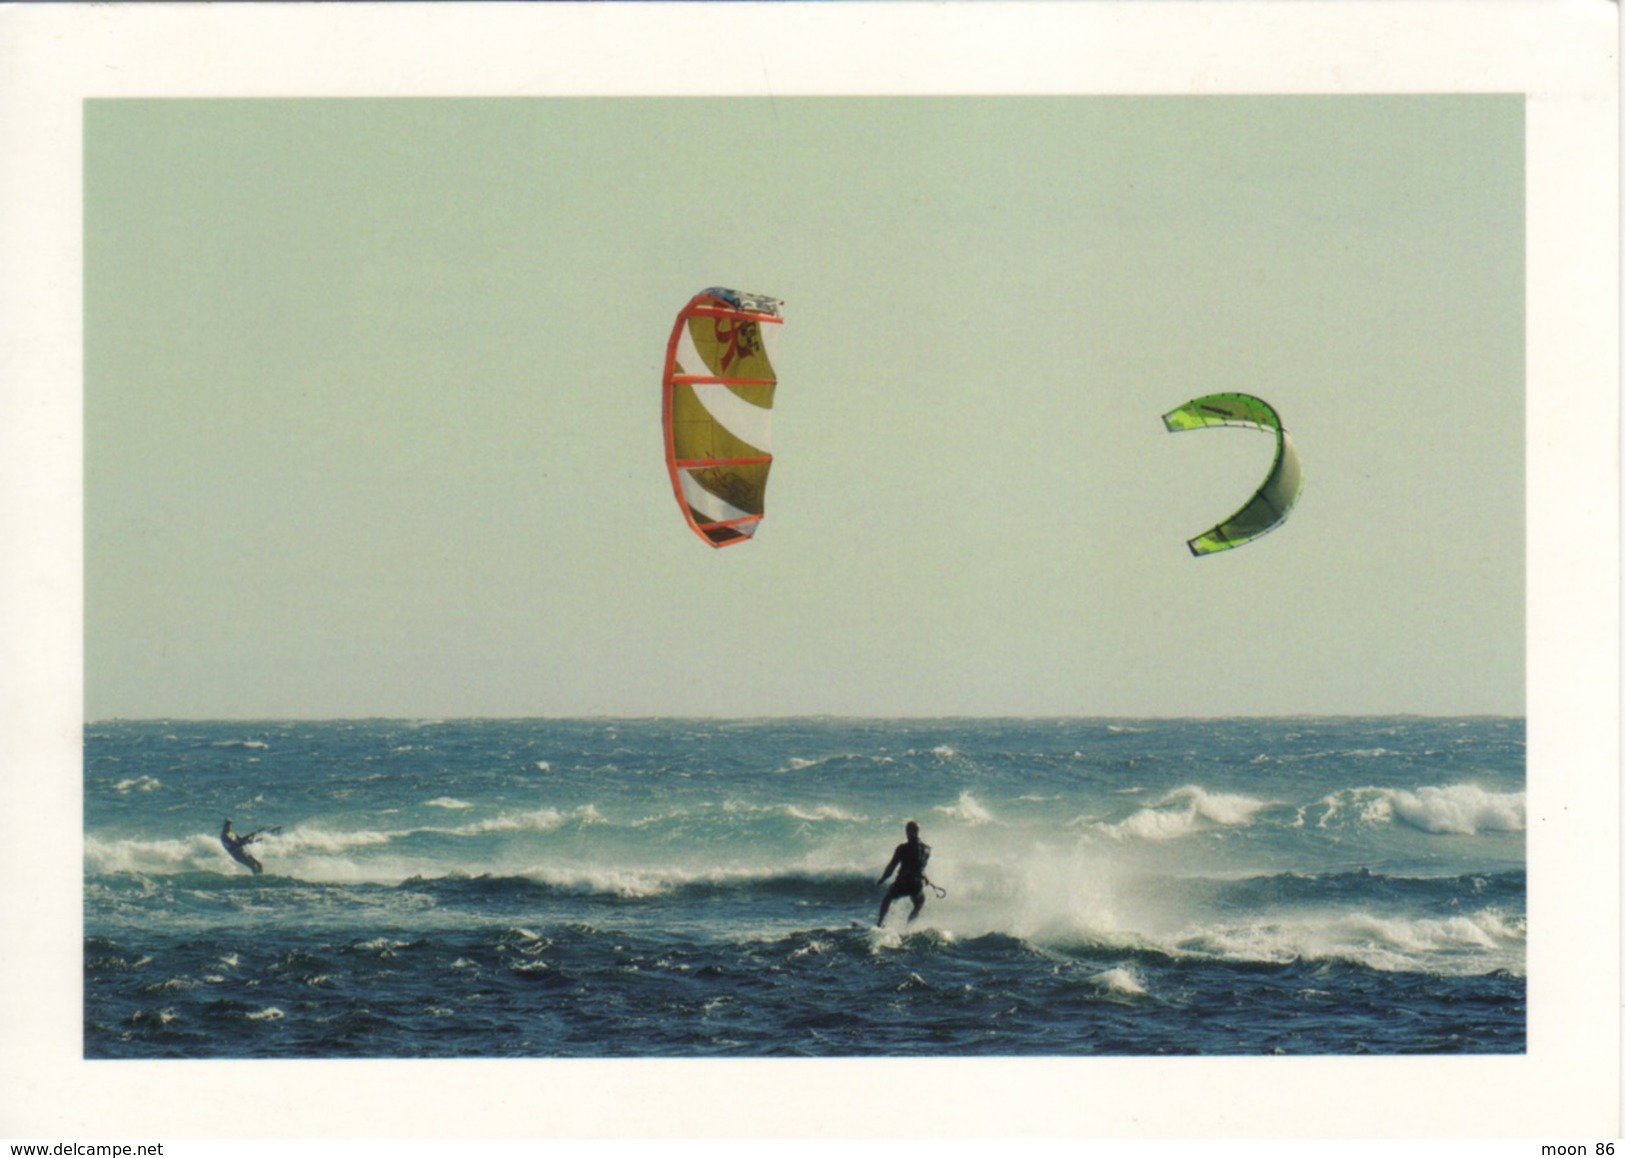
(808, 812)
(803, 764)
(1122, 980)
(535, 820)
(1185, 811)
(181, 854)
(967, 809)
(138, 784)
(1465, 943)
(882, 937)
(1453, 810)
(631, 884)
(447, 802)
(383, 946)
(822, 812)
(329, 841)
(659, 818)
(1461, 808)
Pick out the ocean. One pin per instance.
(669, 888)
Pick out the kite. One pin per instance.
(717, 390)
(1274, 499)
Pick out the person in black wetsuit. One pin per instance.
(909, 863)
(237, 847)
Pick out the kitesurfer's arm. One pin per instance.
(896, 859)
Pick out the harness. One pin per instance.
(925, 855)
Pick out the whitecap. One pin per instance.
(821, 812)
(1121, 980)
(1462, 809)
(383, 946)
(806, 812)
(447, 802)
(200, 851)
(537, 820)
(1185, 811)
(327, 841)
(1460, 944)
(968, 809)
(138, 784)
(1450, 810)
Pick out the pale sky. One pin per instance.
(372, 405)
(370, 409)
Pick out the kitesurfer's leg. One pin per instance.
(897, 890)
(919, 903)
(248, 859)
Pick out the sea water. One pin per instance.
(707, 888)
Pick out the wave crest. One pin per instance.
(1185, 811)
(1463, 943)
(1449, 810)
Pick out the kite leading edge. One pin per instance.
(717, 389)
(1274, 499)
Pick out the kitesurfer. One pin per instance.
(237, 847)
(909, 863)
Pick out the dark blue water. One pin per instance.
(706, 888)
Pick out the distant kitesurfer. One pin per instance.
(909, 862)
(237, 847)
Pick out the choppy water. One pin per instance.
(706, 888)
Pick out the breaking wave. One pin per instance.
(1453, 810)
(1185, 811)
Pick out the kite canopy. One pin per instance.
(1269, 506)
(718, 405)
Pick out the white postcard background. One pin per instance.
(1561, 53)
